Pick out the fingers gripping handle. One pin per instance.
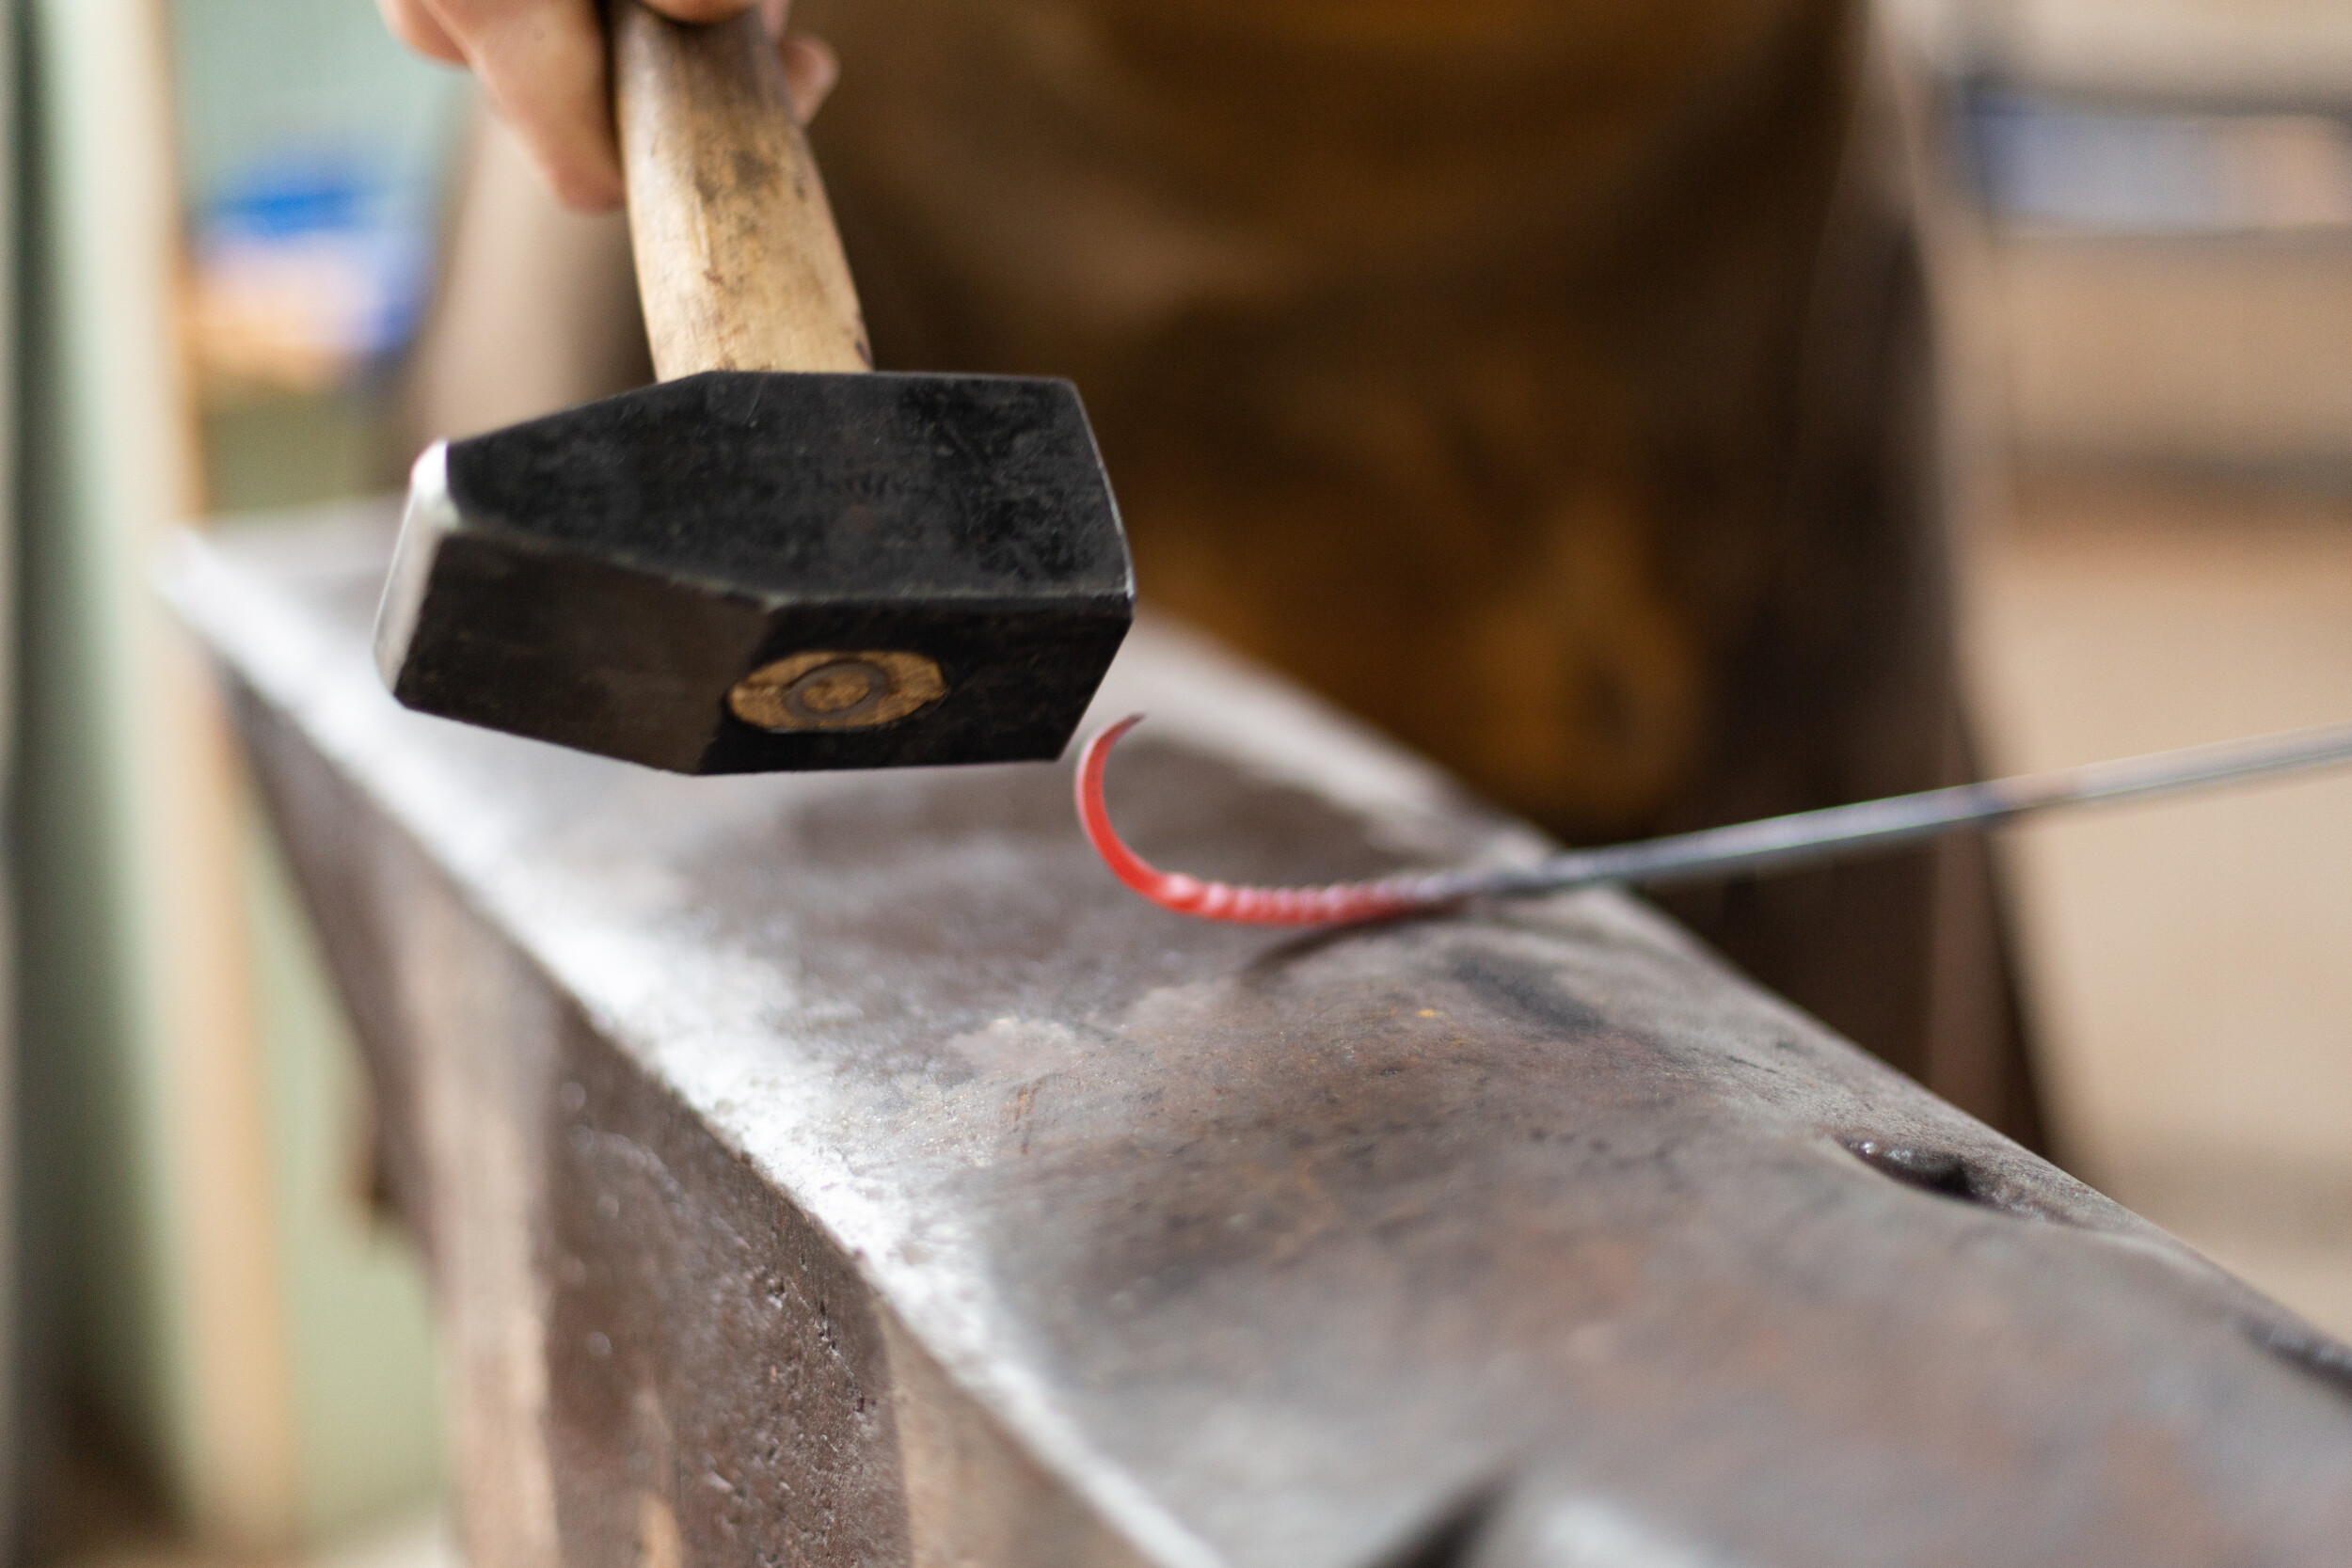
(737, 258)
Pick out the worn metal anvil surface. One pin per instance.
(831, 1169)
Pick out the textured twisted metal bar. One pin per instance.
(1773, 844)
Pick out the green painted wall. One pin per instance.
(255, 76)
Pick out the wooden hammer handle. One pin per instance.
(737, 262)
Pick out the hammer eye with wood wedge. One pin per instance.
(773, 558)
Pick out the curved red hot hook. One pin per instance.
(1340, 904)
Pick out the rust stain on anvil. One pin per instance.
(894, 1188)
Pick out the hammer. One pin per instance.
(774, 558)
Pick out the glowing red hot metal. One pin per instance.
(1777, 843)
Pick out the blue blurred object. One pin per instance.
(312, 269)
(2104, 170)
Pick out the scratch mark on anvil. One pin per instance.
(1022, 1104)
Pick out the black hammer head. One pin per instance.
(741, 572)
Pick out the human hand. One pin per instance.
(542, 64)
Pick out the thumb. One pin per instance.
(810, 70)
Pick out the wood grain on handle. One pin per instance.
(737, 258)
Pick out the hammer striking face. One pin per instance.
(747, 572)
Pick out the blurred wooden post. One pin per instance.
(139, 973)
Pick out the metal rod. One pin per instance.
(1837, 833)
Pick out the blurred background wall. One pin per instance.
(2144, 238)
(223, 215)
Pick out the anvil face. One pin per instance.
(743, 571)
